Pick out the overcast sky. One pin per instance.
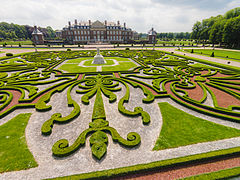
(140, 15)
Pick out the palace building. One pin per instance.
(96, 32)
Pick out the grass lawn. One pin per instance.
(14, 153)
(89, 63)
(225, 54)
(124, 65)
(181, 129)
(28, 42)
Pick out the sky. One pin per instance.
(139, 15)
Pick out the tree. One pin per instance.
(196, 30)
(51, 32)
(231, 32)
(216, 32)
(232, 13)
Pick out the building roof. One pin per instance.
(152, 32)
(36, 31)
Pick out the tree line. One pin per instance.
(176, 35)
(10, 31)
(222, 29)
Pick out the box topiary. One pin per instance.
(9, 54)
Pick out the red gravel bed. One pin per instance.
(186, 170)
(224, 99)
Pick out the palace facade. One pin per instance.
(97, 32)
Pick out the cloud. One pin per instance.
(140, 15)
(205, 5)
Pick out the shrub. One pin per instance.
(68, 49)
(192, 51)
(20, 45)
(63, 45)
(127, 48)
(212, 55)
(9, 54)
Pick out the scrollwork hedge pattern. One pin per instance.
(187, 81)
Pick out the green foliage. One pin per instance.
(9, 54)
(12, 31)
(14, 152)
(232, 13)
(231, 33)
(219, 29)
(181, 129)
(212, 55)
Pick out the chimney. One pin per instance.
(105, 22)
(124, 25)
(69, 23)
(89, 22)
(118, 23)
(75, 21)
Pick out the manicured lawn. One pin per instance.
(16, 42)
(181, 129)
(74, 68)
(124, 65)
(231, 55)
(89, 63)
(14, 153)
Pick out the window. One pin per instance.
(98, 32)
(117, 32)
(101, 32)
(85, 32)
